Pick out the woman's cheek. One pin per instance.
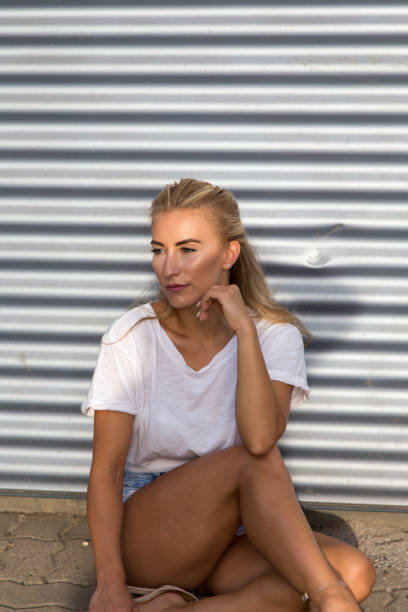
(209, 273)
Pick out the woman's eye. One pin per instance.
(184, 249)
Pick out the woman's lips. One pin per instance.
(176, 287)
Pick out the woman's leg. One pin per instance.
(177, 528)
(242, 563)
(268, 593)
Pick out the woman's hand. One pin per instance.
(112, 599)
(227, 301)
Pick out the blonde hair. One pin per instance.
(246, 272)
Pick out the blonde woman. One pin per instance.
(188, 494)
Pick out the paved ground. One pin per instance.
(46, 559)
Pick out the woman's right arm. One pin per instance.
(112, 434)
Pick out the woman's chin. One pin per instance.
(180, 302)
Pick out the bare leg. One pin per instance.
(244, 580)
(242, 563)
(268, 593)
(293, 551)
(214, 492)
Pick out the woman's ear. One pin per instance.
(231, 254)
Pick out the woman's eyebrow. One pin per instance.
(177, 243)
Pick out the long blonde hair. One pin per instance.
(247, 273)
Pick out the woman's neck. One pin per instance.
(185, 322)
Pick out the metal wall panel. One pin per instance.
(301, 109)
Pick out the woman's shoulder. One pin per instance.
(128, 320)
(275, 330)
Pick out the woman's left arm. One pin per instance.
(261, 405)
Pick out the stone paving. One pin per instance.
(46, 561)
(383, 537)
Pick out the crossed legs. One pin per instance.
(243, 565)
(180, 529)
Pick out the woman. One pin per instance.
(191, 394)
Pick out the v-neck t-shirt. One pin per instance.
(181, 413)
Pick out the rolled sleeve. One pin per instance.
(113, 385)
(283, 350)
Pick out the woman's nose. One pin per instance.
(171, 266)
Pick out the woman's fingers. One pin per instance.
(227, 301)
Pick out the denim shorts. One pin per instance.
(136, 480)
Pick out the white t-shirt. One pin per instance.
(181, 413)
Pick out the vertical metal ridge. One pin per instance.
(301, 110)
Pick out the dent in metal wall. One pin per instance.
(301, 110)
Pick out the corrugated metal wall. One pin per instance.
(301, 110)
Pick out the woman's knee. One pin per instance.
(360, 575)
(350, 564)
(270, 463)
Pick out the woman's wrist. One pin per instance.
(247, 328)
(114, 576)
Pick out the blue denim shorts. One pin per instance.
(136, 480)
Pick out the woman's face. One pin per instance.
(188, 256)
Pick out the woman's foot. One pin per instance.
(165, 601)
(334, 598)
